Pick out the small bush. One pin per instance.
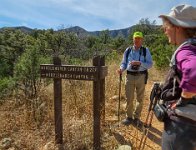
(162, 56)
(6, 87)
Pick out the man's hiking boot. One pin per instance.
(137, 122)
(127, 121)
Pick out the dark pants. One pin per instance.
(178, 136)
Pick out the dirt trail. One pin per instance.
(131, 135)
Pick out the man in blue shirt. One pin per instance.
(136, 60)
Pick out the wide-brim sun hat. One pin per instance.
(183, 15)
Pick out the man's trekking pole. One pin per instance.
(153, 101)
(119, 96)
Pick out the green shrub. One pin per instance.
(113, 56)
(6, 87)
(162, 56)
(27, 70)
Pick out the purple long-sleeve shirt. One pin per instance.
(186, 63)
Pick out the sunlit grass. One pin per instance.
(30, 125)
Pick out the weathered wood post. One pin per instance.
(58, 105)
(98, 101)
(95, 73)
(102, 92)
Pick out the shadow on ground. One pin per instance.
(121, 140)
(151, 135)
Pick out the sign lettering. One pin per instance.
(71, 72)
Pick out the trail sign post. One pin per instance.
(95, 73)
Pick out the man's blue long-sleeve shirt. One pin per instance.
(137, 55)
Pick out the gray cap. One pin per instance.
(182, 15)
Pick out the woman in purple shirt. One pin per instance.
(179, 90)
(186, 62)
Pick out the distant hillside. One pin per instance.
(113, 33)
(22, 28)
(82, 32)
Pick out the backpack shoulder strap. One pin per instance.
(128, 52)
(144, 52)
(173, 65)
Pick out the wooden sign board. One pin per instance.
(95, 73)
(72, 72)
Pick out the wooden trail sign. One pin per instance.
(95, 73)
(72, 72)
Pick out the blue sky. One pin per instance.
(92, 15)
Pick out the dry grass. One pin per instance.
(31, 127)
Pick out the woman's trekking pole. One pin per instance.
(147, 124)
(119, 96)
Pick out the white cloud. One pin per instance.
(89, 14)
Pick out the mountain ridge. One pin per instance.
(79, 31)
